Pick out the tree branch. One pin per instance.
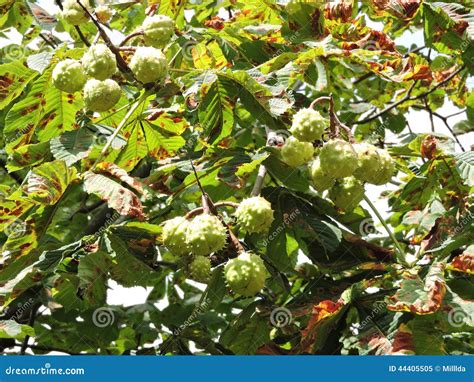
(445, 120)
(388, 108)
(120, 61)
(257, 187)
(81, 36)
(430, 112)
(334, 123)
(130, 36)
(200, 210)
(408, 97)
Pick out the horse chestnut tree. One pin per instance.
(232, 165)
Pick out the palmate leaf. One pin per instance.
(234, 171)
(324, 318)
(458, 13)
(440, 29)
(28, 155)
(47, 262)
(161, 144)
(247, 332)
(255, 98)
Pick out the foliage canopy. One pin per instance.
(84, 195)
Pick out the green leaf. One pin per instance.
(289, 176)
(464, 127)
(470, 109)
(465, 166)
(12, 329)
(47, 183)
(72, 146)
(216, 110)
(14, 77)
(44, 113)
(93, 274)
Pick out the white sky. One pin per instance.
(418, 120)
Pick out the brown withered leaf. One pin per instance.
(117, 172)
(216, 23)
(323, 316)
(464, 262)
(429, 147)
(121, 199)
(403, 9)
(339, 10)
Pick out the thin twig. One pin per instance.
(387, 228)
(454, 114)
(408, 97)
(388, 108)
(430, 112)
(81, 36)
(120, 61)
(130, 36)
(444, 119)
(200, 210)
(334, 122)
